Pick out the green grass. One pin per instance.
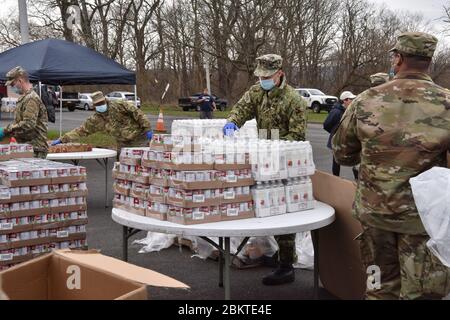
(316, 117)
(99, 139)
(173, 110)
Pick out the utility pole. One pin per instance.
(23, 21)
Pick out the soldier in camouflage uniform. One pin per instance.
(120, 119)
(30, 123)
(378, 78)
(396, 131)
(280, 113)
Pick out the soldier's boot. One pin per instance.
(282, 275)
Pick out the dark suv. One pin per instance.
(193, 103)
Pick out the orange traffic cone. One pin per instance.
(160, 123)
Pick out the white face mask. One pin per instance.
(102, 108)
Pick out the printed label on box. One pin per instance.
(198, 198)
(232, 212)
(229, 195)
(62, 234)
(6, 226)
(198, 216)
(6, 257)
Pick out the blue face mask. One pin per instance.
(101, 109)
(267, 85)
(391, 73)
(16, 90)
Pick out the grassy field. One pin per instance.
(172, 110)
(97, 140)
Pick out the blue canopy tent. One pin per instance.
(60, 62)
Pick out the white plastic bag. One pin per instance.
(305, 251)
(155, 242)
(431, 191)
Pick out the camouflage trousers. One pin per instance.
(408, 269)
(40, 154)
(287, 252)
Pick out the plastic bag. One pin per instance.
(431, 191)
(305, 251)
(155, 242)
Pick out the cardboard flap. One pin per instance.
(95, 260)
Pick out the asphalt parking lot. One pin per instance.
(201, 275)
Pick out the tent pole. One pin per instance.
(40, 90)
(60, 111)
(135, 95)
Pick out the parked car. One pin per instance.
(70, 100)
(85, 101)
(192, 102)
(122, 95)
(317, 100)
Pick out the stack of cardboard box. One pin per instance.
(182, 186)
(42, 207)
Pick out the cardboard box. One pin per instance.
(235, 166)
(240, 215)
(130, 177)
(185, 166)
(81, 275)
(156, 215)
(121, 190)
(339, 251)
(44, 226)
(18, 155)
(130, 161)
(34, 242)
(238, 183)
(161, 198)
(27, 182)
(196, 185)
(191, 204)
(188, 221)
(237, 199)
(45, 196)
(160, 182)
(128, 208)
(25, 213)
(149, 163)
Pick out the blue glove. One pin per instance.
(55, 142)
(229, 129)
(149, 134)
(2, 133)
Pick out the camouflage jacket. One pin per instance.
(123, 121)
(281, 108)
(396, 131)
(30, 124)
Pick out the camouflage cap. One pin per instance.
(14, 73)
(416, 43)
(97, 97)
(268, 64)
(379, 78)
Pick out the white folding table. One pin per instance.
(102, 157)
(309, 220)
